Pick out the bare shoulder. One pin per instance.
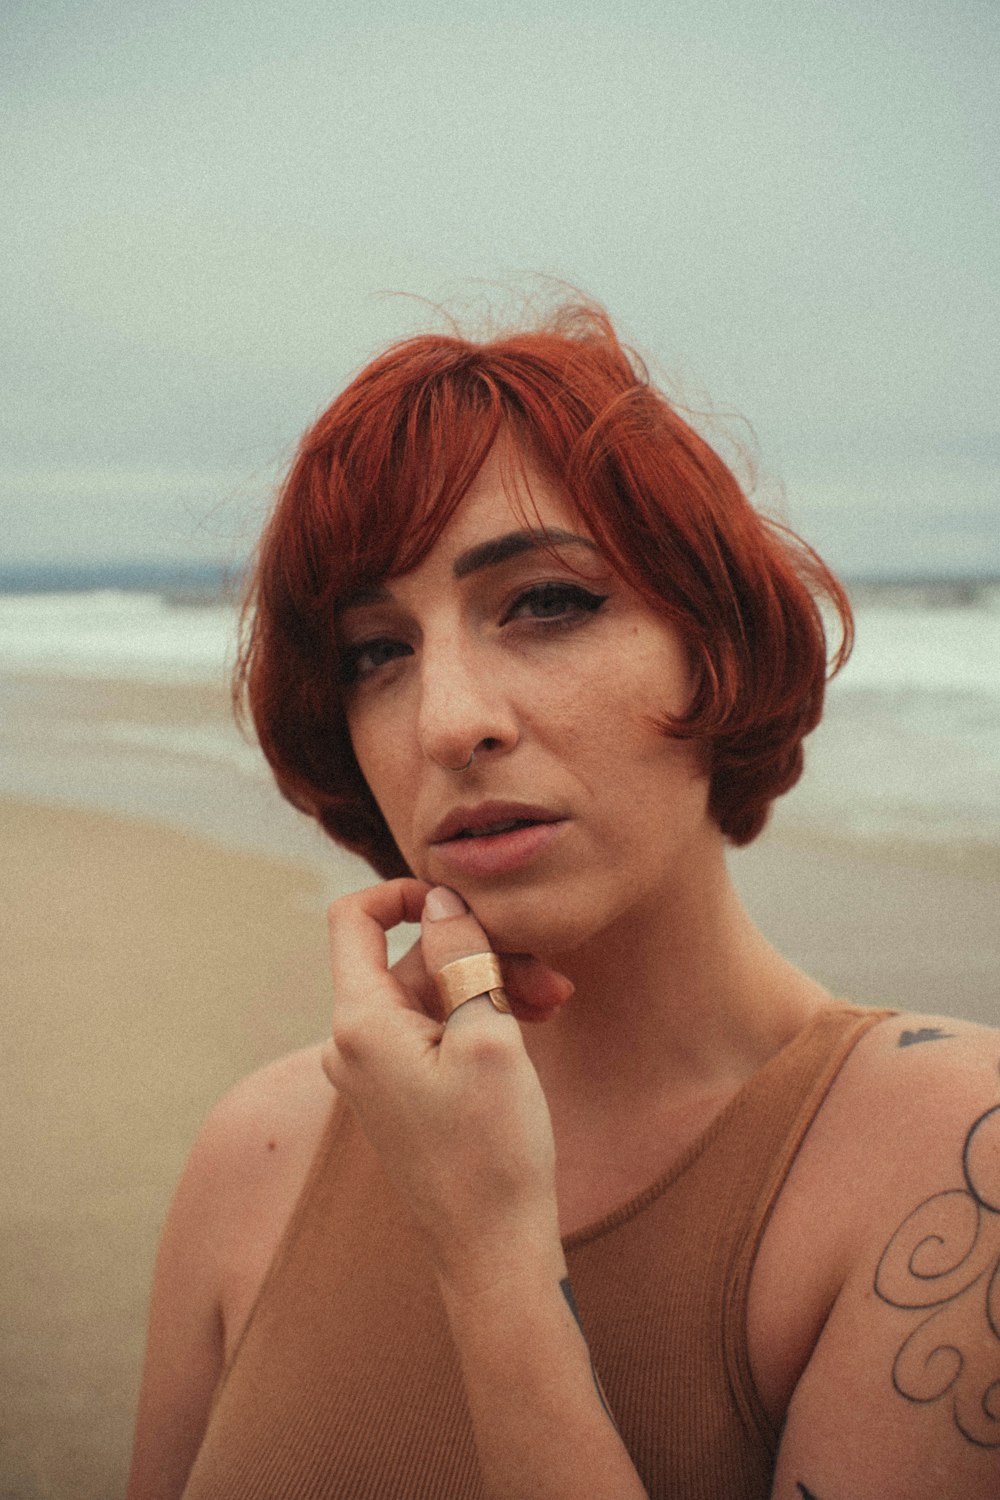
(898, 1118)
(279, 1108)
(239, 1187)
(912, 1088)
(253, 1153)
(910, 1109)
(943, 1044)
(245, 1174)
(900, 1181)
(872, 1340)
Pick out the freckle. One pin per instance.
(271, 1145)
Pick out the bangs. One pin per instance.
(383, 495)
(380, 475)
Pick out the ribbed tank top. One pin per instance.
(346, 1386)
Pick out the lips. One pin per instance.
(489, 818)
(493, 838)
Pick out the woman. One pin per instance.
(518, 638)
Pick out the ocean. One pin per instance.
(110, 699)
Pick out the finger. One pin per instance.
(450, 931)
(534, 990)
(359, 962)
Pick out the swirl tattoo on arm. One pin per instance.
(945, 1257)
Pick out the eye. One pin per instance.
(558, 603)
(365, 658)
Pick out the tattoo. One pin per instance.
(567, 1291)
(946, 1256)
(925, 1034)
(806, 1494)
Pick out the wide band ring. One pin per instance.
(465, 978)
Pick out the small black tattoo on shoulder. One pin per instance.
(925, 1034)
(943, 1260)
(806, 1494)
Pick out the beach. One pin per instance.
(143, 971)
(147, 965)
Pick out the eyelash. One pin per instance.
(575, 602)
(575, 605)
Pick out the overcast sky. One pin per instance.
(790, 208)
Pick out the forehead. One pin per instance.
(509, 493)
(511, 509)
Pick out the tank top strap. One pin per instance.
(662, 1282)
(785, 1101)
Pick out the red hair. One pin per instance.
(380, 473)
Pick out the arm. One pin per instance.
(233, 1201)
(901, 1397)
(541, 1425)
(184, 1343)
(458, 1117)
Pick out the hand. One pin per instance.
(535, 992)
(455, 1112)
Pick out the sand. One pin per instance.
(143, 971)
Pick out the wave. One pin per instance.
(113, 633)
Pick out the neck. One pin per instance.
(686, 997)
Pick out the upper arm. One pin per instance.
(901, 1396)
(240, 1184)
(184, 1348)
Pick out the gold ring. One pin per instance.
(465, 978)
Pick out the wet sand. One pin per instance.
(144, 970)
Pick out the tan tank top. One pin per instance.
(346, 1384)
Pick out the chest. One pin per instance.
(352, 1300)
(699, 1206)
(713, 1214)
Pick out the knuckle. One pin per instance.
(350, 1040)
(491, 1051)
(336, 912)
(330, 1063)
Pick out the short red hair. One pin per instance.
(377, 477)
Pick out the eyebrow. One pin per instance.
(489, 554)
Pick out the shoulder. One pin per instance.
(912, 1088)
(898, 1117)
(896, 1129)
(270, 1105)
(930, 1044)
(243, 1178)
(234, 1197)
(921, 1099)
(899, 1198)
(266, 1126)
(248, 1164)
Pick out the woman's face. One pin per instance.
(576, 811)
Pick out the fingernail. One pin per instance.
(443, 902)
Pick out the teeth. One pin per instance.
(482, 833)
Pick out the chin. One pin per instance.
(520, 922)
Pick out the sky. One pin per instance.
(215, 214)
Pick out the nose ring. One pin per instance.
(457, 770)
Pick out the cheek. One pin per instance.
(604, 720)
(388, 777)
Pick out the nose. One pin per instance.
(464, 710)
